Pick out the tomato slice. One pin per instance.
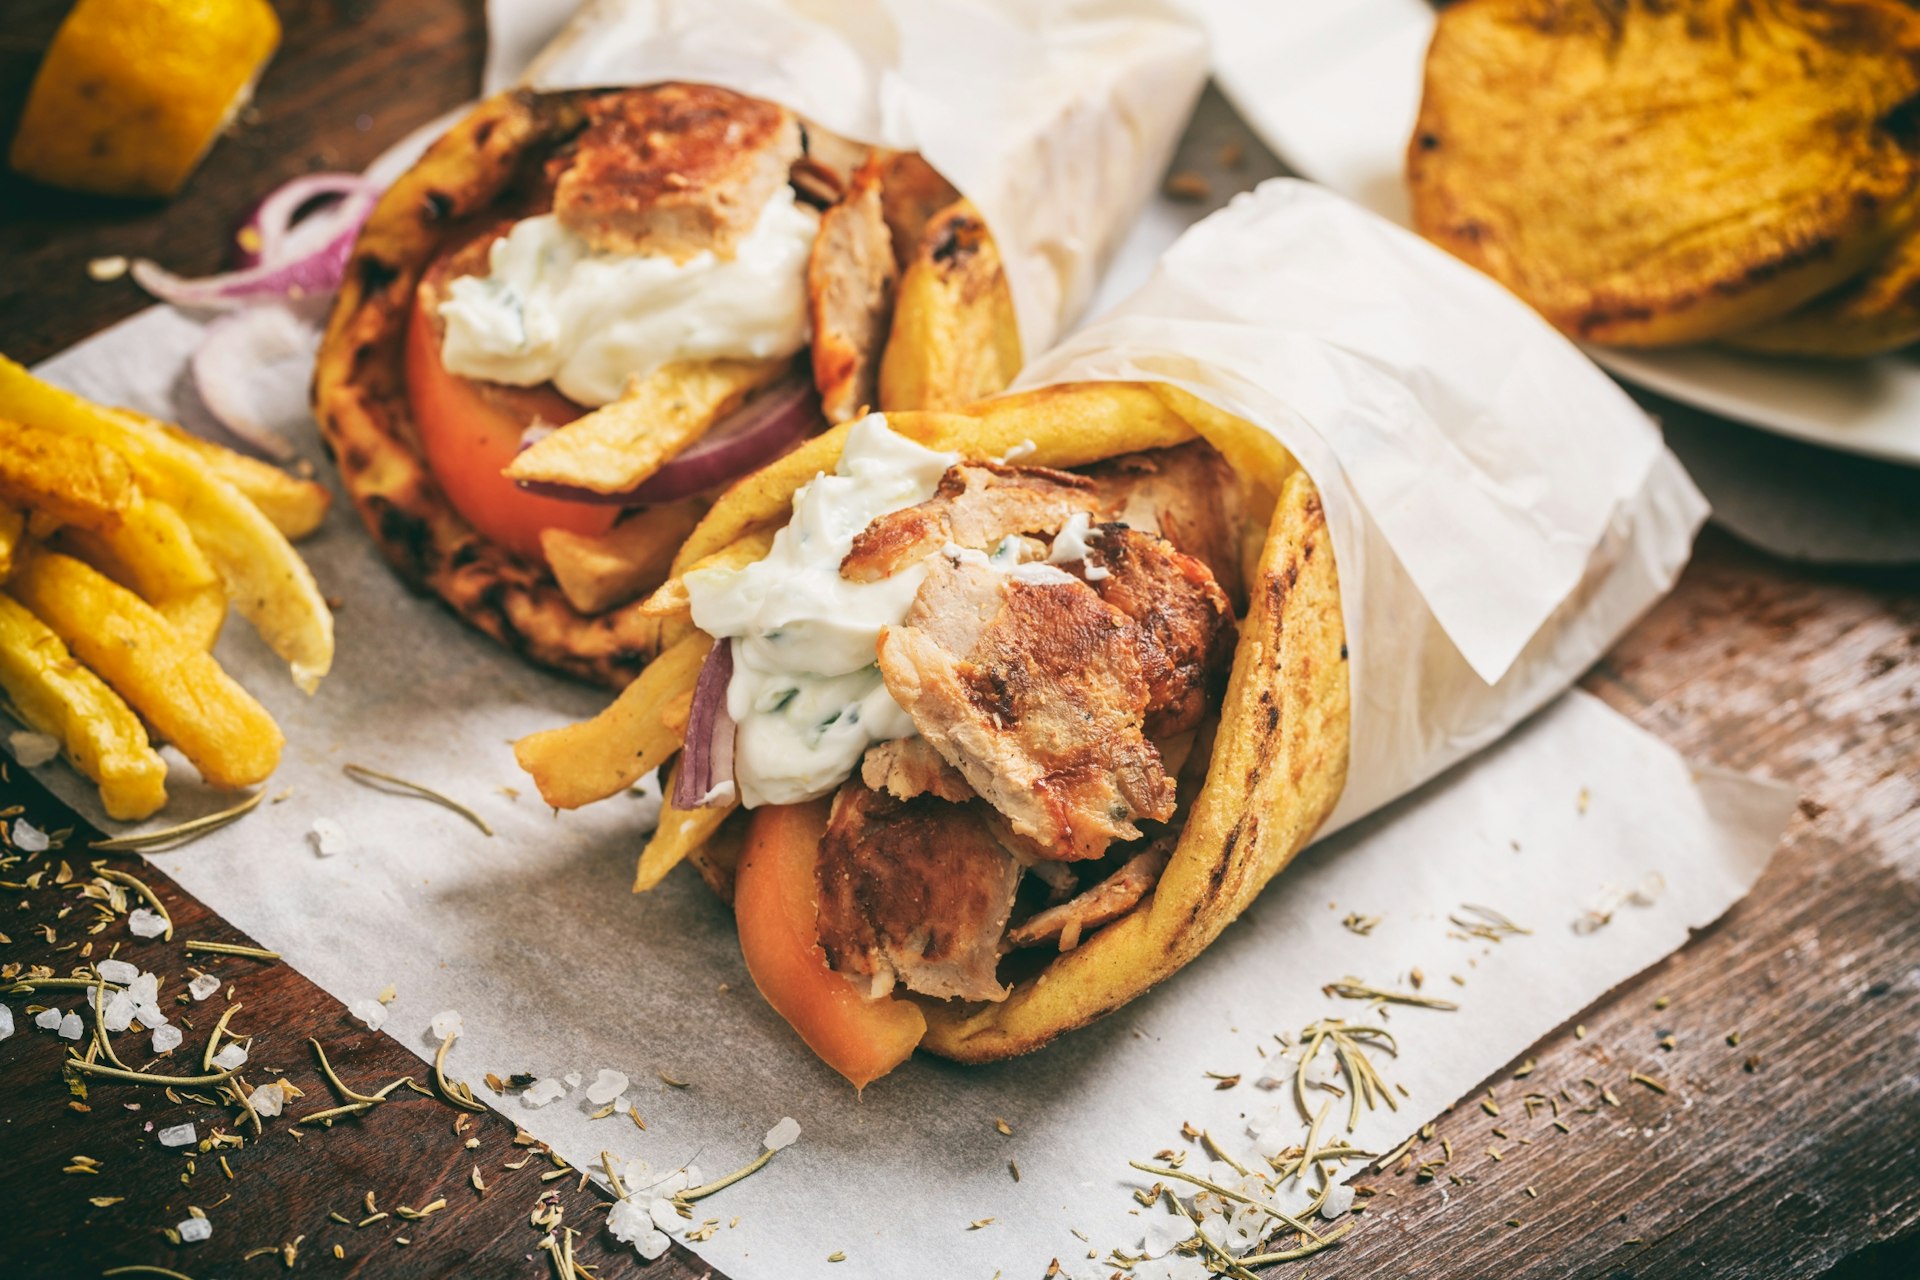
(471, 430)
(776, 902)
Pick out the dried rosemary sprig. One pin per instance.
(1165, 1171)
(196, 946)
(1354, 989)
(139, 886)
(368, 777)
(453, 1092)
(180, 834)
(701, 1192)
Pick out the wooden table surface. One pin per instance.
(1793, 1153)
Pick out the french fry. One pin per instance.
(62, 479)
(911, 194)
(98, 731)
(13, 531)
(152, 553)
(621, 444)
(179, 689)
(577, 764)
(679, 832)
(954, 338)
(671, 601)
(598, 573)
(294, 506)
(267, 580)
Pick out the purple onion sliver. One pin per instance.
(707, 723)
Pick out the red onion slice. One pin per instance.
(759, 432)
(707, 762)
(273, 219)
(226, 372)
(316, 270)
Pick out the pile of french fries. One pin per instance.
(123, 543)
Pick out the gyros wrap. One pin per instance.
(996, 860)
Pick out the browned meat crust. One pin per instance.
(673, 169)
(1183, 624)
(850, 278)
(917, 891)
(909, 767)
(976, 505)
(1189, 496)
(1104, 903)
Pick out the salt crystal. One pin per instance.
(6, 1021)
(145, 924)
(268, 1099)
(542, 1092)
(371, 1012)
(28, 838)
(230, 1057)
(665, 1217)
(179, 1135)
(784, 1134)
(628, 1222)
(193, 1230)
(32, 749)
(573, 1079)
(1187, 1267)
(144, 989)
(150, 1016)
(653, 1244)
(606, 1086)
(446, 1025)
(1339, 1200)
(118, 971)
(621, 1105)
(47, 1019)
(117, 1013)
(689, 1177)
(203, 986)
(71, 1027)
(328, 839)
(166, 1039)
(1163, 1233)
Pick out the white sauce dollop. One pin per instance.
(805, 692)
(552, 308)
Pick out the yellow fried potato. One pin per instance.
(267, 580)
(13, 531)
(601, 571)
(98, 731)
(680, 831)
(1876, 313)
(671, 603)
(152, 553)
(621, 444)
(178, 688)
(62, 479)
(294, 506)
(954, 337)
(577, 764)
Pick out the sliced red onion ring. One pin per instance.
(760, 431)
(273, 219)
(227, 364)
(707, 763)
(315, 270)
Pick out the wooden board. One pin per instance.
(1803, 1165)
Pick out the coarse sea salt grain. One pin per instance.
(6, 1021)
(541, 1092)
(144, 989)
(268, 1099)
(231, 1057)
(665, 1216)
(371, 1012)
(327, 838)
(1339, 1200)
(32, 749)
(606, 1086)
(166, 1039)
(203, 986)
(446, 1024)
(143, 923)
(118, 971)
(573, 1079)
(150, 1015)
(653, 1244)
(178, 1135)
(784, 1134)
(628, 1222)
(28, 838)
(48, 1019)
(71, 1027)
(193, 1230)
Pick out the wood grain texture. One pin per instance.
(1803, 1166)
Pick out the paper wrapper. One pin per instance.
(1500, 510)
(533, 936)
(1055, 118)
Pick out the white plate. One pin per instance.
(1335, 90)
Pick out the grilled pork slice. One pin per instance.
(674, 169)
(1104, 903)
(1188, 495)
(916, 891)
(1184, 624)
(1034, 690)
(976, 505)
(909, 767)
(850, 278)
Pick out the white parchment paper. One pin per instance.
(534, 938)
(1055, 117)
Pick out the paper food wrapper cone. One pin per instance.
(1501, 511)
(1055, 117)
